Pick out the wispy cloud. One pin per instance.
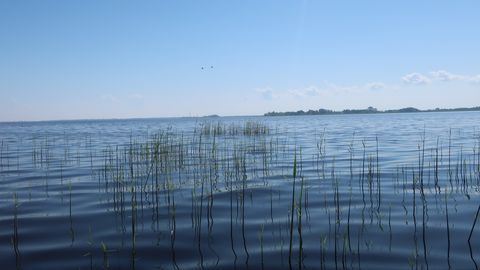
(443, 75)
(375, 86)
(475, 79)
(267, 93)
(328, 88)
(309, 91)
(136, 96)
(334, 88)
(416, 78)
(440, 76)
(110, 98)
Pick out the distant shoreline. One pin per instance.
(369, 110)
(297, 113)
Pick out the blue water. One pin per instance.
(85, 195)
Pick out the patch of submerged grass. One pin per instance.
(248, 128)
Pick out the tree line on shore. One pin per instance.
(369, 110)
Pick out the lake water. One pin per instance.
(382, 191)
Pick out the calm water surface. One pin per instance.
(396, 191)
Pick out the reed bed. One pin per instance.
(217, 180)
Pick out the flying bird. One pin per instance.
(203, 68)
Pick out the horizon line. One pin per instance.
(218, 116)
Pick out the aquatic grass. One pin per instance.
(1, 155)
(15, 236)
(70, 217)
(299, 223)
(248, 128)
(448, 228)
(473, 225)
(260, 237)
(323, 250)
(133, 224)
(90, 244)
(155, 174)
(292, 211)
(105, 252)
(470, 237)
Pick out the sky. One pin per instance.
(95, 59)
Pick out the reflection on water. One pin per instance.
(341, 191)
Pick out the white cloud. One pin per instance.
(328, 88)
(337, 89)
(439, 75)
(375, 86)
(475, 79)
(416, 78)
(267, 93)
(309, 91)
(446, 76)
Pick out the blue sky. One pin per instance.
(122, 59)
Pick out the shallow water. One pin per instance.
(376, 193)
